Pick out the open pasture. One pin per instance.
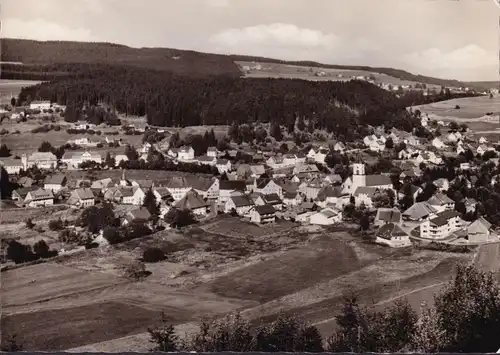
(12, 88)
(471, 108)
(277, 70)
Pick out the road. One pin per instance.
(488, 257)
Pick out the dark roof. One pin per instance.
(390, 230)
(388, 215)
(242, 201)
(200, 183)
(272, 199)
(141, 213)
(329, 191)
(378, 180)
(261, 183)
(58, 179)
(265, 209)
(442, 218)
(23, 191)
(232, 185)
(191, 201)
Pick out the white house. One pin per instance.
(339, 147)
(262, 214)
(292, 198)
(40, 105)
(206, 160)
(267, 187)
(212, 152)
(480, 231)
(326, 216)
(74, 159)
(55, 183)
(38, 198)
(483, 149)
(185, 153)
(228, 188)
(223, 165)
(193, 202)
(241, 204)
(441, 202)
(441, 226)
(392, 235)
(178, 186)
(442, 184)
(438, 143)
(364, 196)
(43, 160)
(318, 155)
(12, 166)
(82, 198)
(359, 179)
(206, 188)
(483, 140)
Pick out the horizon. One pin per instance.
(462, 46)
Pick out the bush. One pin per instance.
(56, 224)
(112, 235)
(29, 223)
(136, 270)
(41, 248)
(153, 255)
(92, 245)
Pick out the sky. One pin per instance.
(454, 39)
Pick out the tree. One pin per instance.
(275, 131)
(41, 248)
(150, 203)
(56, 224)
(10, 344)
(364, 222)
(6, 187)
(491, 95)
(135, 270)
(13, 101)
(29, 223)
(45, 147)
(179, 218)
(112, 235)
(389, 143)
(164, 336)
(19, 253)
(4, 151)
(131, 153)
(96, 218)
(109, 161)
(153, 255)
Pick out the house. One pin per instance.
(145, 148)
(427, 157)
(241, 204)
(207, 160)
(387, 215)
(103, 184)
(267, 187)
(178, 186)
(39, 197)
(470, 205)
(438, 143)
(40, 105)
(339, 147)
(172, 152)
(83, 197)
(119, 158)
(483, 149)
(12, 166)
(84, 141)
(223, 165)
(292, 198)
(392, 235)
(364, 196)
(453, 136)
(359, 179)
(262, 214)
(303, 216)
(326, 216)
(185, 153)
(334, 179)
(318, 155)
(442, 184)
(25, 181)
(441, 202)
(441, 226)
(140, 215)
(227, 188)
(479, 231)
(206, 188)
(483, 140)
(83, 125)
(311, 189)
(20, 194)
(145, 184)
(162, 196)
(329, 195)
(374, 143)
(43, 160)
(212, 152)
(74, 159)
(55, 183)
(419, 211)
(305, 169)
(138, 195)
(193, 202)
(125, 195)
(270, 199)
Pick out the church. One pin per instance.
(360, 179)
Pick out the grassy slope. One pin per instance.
(173, 60)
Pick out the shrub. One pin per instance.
(112, 235)
(56, 224)
(41, 248)
(136, 270)
(29, 223)
(153, 255)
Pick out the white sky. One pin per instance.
(442, 38)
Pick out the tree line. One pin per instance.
(465, 318)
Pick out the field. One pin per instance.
(275, 70)
(83, 302)
(10, 88)
(471, 108)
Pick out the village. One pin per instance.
(295, 185)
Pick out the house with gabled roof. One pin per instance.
(83, 197)
(241, 204)
(140, 214)
(470, 204)
(270, 199)
(334, 179)
(364, 195)
(55, 183)
(73, 159)
(442, 225)
(262, 214)
(330, 195)
(39, 198)
(212, 152)
(20, 194)
(193, 202)
(392, 235)
(326, 216)
(207, 160)
(480, 231)
(205, 187)
(387, 215)
(178, 186)
(185, 153)
(227, 188)
(43, 160)
(419, 211)
(339, 147)
(292, 198)
(441, 202)
(12, 166)
(25, 181)
(267, 187)
(223, 165)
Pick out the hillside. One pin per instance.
(32, 53)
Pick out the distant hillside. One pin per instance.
(192, 63)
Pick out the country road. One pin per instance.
(488, 257)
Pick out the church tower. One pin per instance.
(358, 175)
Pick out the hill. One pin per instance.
(34, 53)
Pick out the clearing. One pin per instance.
(10, 88)
(471, 108)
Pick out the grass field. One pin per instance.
(471, 108)
(9, 88)
(276, 70)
